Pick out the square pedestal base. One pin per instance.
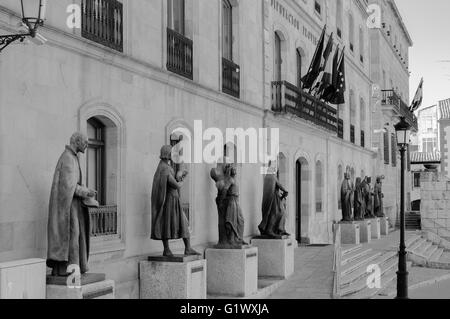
(97, 290)
(232, 272)
(172, 280)
(350, 233)
(384, 226)
(375, 228)
(276, 257)
(365, 227)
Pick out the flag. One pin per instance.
(324, 77)
(328, 91)
(417, 102)
(339, 97)
(314, 69)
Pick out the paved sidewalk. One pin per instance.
(313, 275)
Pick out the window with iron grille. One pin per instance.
(386, 147)
(102, 22)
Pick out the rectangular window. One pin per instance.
(394, 150)
(227, 30)
(102, 22)
(318, 7)
(386, 147)
(175, 16)
(416, 180)
(95, 159)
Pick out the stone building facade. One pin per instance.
(161, 65)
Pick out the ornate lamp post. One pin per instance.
(33, 14)
(403, 137)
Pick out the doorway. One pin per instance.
(303, 178)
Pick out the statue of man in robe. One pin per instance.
(68, 220)
(359, 201)
(346, 198)
(273, 208)
(368, 194)
(378, 198)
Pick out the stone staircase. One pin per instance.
(413, 221)
(355, 271)
(421, 251)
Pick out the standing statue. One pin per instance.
(273, 208)
(368, 198)
(378, 198)
(359, 201)
(218, 175)
(68, 219)
(168, 219)
(346, 196)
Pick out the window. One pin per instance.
(227, 30)
(339, 22)
(386, 147)
(352, 116)
(416, 180)
(102, 22)
(95, 158)
(394, 150)
(351, 31)
(277, 58)
(361, 45)
(318, 7)
(429, 145)
(362, 121)
(175, 16)
(299, 68)
(319, 187)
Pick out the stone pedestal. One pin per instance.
(384, 226)
(365, 227)
(350, 233)
(162, 278)
(375, 228)
(22, 279)
(232, 272)
(276, 257)
(91, 286)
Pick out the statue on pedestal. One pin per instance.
(359, 202)
(218, 175)
(68, 219)
(378, 198)
(346, 198)
(168, 219)
(273, 208)
(368, 194)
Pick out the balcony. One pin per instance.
(287, 98)
(103, 221)
(230, 78)
(392, 102)
(179, 54)
(102, 22)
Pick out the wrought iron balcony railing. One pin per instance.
(103, 221)
(102, 22)
(288, 98)
(179, 54)
(391, 98)
(230, 78)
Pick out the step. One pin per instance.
(349, 279)
(357, 254)
(386, 280)
(436, 255)
(349, 268)
(416, 245)
(361, 284)
(430, 251)
(411, 240)
(349, 250)
(423, 248)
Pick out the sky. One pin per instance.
(428, 24)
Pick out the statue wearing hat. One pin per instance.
(168, 219)
(68, 220)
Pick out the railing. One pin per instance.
(288, 98)
(390, 97)
(363, 140)
(103, 221)
(341, 128)
(230, 78)
(102, 22)
(179, 54)
(352, 134)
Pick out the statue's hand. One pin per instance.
(91, 193)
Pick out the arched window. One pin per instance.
(352, 116)
(175, 15)
(351, 31)
(277, 58)
(319, 187)
(95, 159)
(339, 20)
(227, 30)
(361, 45)
(363, 122)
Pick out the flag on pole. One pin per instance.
(314, 69)
(417, 102)
(328, 92)
(339, 95)
(324, 77)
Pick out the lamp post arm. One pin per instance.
(6, 40)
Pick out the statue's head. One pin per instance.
(369, 180)
(230, 170)
(175, 138)
(166, 152)
(358, 181)
(379, 179)
(79, 142)
(347, 175)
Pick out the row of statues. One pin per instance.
(360, 201)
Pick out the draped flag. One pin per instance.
(329, 91)
(324, 77)
(314, 69)
(417, 102)
(339, 96)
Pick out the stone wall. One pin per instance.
(435, 205)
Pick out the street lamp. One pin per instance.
(33, 15)
(403, 138)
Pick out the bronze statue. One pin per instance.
(346, 198)
(359, 201)
(68, 219)
(273, 208)
(378, 198)
(368, 194)
(168, 219)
